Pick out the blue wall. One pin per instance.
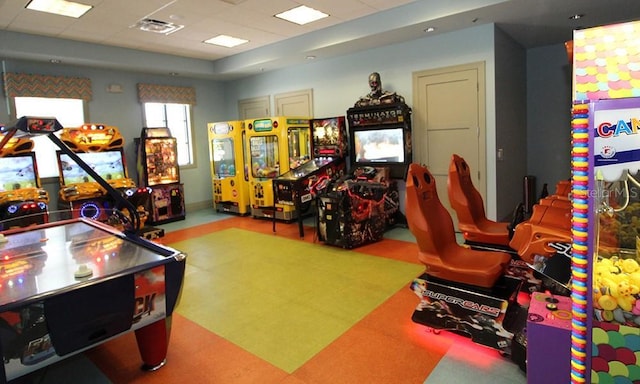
(125, 112)
(337, 83)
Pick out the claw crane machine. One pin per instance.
(229, 171)
(605, 334)
(276, 145)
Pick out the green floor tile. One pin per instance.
(283, 300)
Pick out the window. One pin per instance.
(69, 112)
(176, 117)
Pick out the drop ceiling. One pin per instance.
(274, 43)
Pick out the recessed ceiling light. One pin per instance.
(429, 29)
(310, 57)
(226, 41)
(576, 16)
(59, 7)
(302, 15)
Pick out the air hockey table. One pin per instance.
(70, 285)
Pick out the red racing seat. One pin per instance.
(469, 206)
(432, 226)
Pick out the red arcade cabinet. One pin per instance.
(157, 164)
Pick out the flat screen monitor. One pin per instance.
(108, 164)
(379, 146)
(17, 172)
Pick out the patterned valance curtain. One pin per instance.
(154, 93)
(28, 85)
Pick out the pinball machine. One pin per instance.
(299, 186)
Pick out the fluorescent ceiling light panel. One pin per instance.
(226, 41)
(59, 7)
(302, 15)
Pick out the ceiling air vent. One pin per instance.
(157, 26)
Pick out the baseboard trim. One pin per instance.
(198, 206)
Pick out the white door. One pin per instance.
(298, 103)
(254, 108)
(449, 117)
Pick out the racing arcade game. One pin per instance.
(299, 186)
(463, 290)
(100, 146)
(157, 164)
(229, 170)
(22, 200)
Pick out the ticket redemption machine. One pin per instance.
(100, 146)
(22, 200)
(300, 185)
(229, 171)
(157, 164)
(276, 145)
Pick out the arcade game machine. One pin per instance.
(299, 186)
(157, 164)
(462, 290)
(120, 281)
(100, 146)
(359, 208)
(229, 172)
(22, 200)
(276, 146)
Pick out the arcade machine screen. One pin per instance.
(224, 157)
(264, 156)
(108, 164)
(162, 162)
(17, 172)
(379, 146)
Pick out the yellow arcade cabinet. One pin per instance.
(22, 200)
(229, 170)
(276, 145)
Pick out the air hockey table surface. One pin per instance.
(68, 286)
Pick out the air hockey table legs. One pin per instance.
(153, 342)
